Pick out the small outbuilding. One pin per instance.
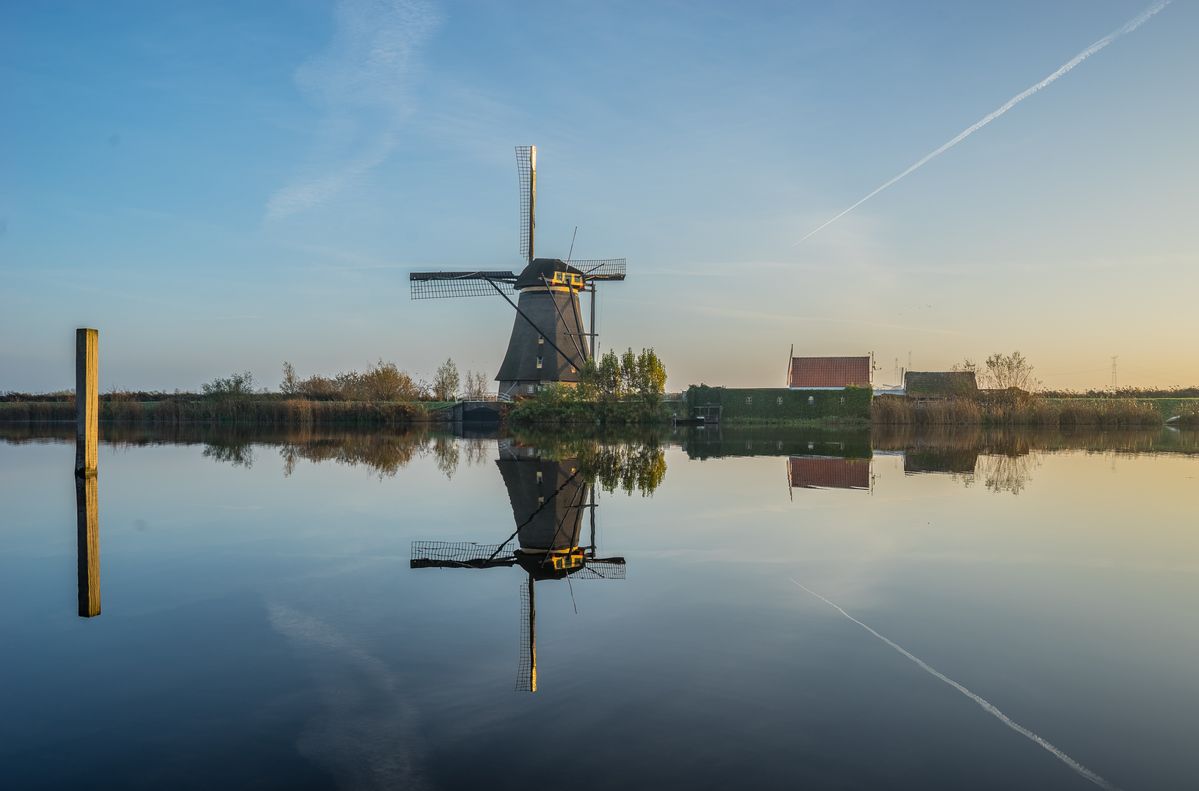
(940, 384)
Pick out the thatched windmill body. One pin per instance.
(548, 343)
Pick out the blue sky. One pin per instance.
(220, 187)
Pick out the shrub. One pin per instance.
(232, 386)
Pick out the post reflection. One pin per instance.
(549, 497)
(88, 542)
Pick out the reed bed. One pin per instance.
(250, 412)
(1189, 417)
(1035, 412)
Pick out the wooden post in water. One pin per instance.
(87, 400)
(87, 436)
(88, 557)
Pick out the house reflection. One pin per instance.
(928, 459)
(549, 498)
(828, 472)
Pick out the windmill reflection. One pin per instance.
(549, 498)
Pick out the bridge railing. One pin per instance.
(500, 397)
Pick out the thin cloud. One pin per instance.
(1128, 27)
(362, 81)
(716, 310)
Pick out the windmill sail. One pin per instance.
(460, 554)
(600, 268)
(442, 285)
(526, 175)
(601, 569)
(526, 669)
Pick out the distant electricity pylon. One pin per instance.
(1115, 380)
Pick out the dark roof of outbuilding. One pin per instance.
(940, 383)
(542, 267)
(830, 371)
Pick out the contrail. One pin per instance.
(1130, 26)
(986, 705)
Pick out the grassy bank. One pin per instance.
(1032, 411)
(266, 411)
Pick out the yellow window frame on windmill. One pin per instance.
(572, 558)
(567, 279)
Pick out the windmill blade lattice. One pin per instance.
(443, 285)
(526, 164)
(600, 268)
(451, 554)
(601, 570)
(526, 665)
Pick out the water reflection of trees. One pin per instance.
(237, 455)
(1002, 460)
(445, 451)
(630, 461)
(386, 453)
(1005, 473)
(629, 467)
(1016, 441)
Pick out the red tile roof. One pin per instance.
(830, 371)
(811, 472)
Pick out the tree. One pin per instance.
(383, 382)
(628, 373)
(631, 374)
(445, 383)
(651, 374)
(290, 385)
(320, 388)
(1004, 371)
(477, 385)
(967, 365)
(608, 375)
(232, 386)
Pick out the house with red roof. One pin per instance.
(829, 373)
(836, 388)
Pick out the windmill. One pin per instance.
(548, 343)
(548, 498)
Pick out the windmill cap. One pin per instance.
(540, 268)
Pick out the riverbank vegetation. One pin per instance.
(1016, 409)
(380, 395)
(257, 410)
(624, 389)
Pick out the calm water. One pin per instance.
(371, 610)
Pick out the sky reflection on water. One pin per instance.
(262, 625)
